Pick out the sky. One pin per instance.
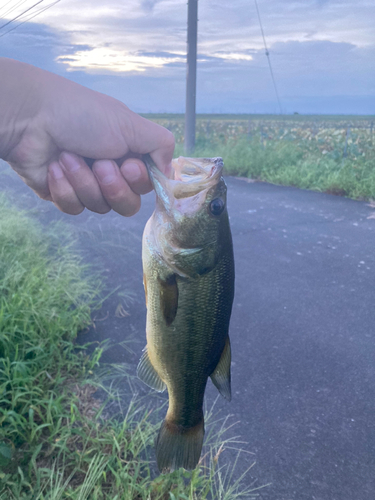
(322, 52)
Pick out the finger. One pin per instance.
(149, 137)
(135, 173)
(159, 158)
(37, 182)
(84, 182)
(47, 197)
(43, 194)
(115, 189)
(62, 193)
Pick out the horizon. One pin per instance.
(291, 114)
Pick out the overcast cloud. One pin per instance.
(322, 52)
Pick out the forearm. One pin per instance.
(21, 90)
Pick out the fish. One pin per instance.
(188, 275)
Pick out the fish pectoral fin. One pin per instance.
(169, 298)
(147, 373)
(221, 375)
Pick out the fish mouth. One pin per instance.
(191, 176)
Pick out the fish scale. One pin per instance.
(189, 282)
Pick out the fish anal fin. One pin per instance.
(147, 373)
(221, 375)
(169, 298)
(178, 446)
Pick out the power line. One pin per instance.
(13, 7)
(268, 58)
(19, 15)
(31, 16)
(3, 7)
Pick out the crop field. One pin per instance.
(324, 153)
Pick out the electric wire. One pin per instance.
(31, 17)
(268, 58)
(3, 7)
(19, 15)
(13, 7)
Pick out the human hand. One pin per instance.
(52, 124)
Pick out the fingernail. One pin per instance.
(56, 171)
(105, 172)
(131, 172)
(69, 162)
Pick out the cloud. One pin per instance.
(124, 28)
(36, 44)
(324, 67)
(148, 5)
(135, 51)
(106, 59)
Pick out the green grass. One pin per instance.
(329, 160)
(329, 153)
(56, 440)
(257, 117)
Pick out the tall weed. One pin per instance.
(294, 162)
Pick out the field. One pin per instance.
(334, 154)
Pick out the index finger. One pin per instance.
(149, 137)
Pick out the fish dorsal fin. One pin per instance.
(147, 373)
(221, 375)
(169, 298)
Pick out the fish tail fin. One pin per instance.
(178, 446)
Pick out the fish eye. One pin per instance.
(217, 206)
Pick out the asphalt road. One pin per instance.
(302, 330)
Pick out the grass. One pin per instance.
(56, 439)
(333, 154)
(257, 116)
(292, 164)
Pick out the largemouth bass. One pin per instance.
(188, 270)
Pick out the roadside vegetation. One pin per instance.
(57, 441)
(330, 154)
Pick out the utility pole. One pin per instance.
(191, 79)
